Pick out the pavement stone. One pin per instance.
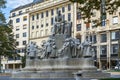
(9, 78)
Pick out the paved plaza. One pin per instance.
(9, 78)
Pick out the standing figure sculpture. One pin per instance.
(48, 48)
(67, 29)
(87, 47)
(32, 50)
(42, 51)
(57, 26)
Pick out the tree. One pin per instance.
(7, 42)
(103, 6)
(2, 17)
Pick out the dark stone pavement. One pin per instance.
(9, 78)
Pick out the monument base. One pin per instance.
(53, 68)
(92, 74)
(60, 68)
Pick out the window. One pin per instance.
(17, 43)
(32, 35)
(94, 39)
(115, 20)
(46, 32)
(103, 37)
(17, 50)
(46, 24)
(52, 12)
(20, 12)
(87, 25)
(52, 21)
(63, 9)
(69, 16)
(24, 42)
(114, 49)
(24, 34)
(25, 18)
(37, 26)
(78, 15)
(32, 27)
(41, 25)
(17, 28)
(42, 15)
(46, 13)
(103, 50)
(69, 7)
(37, 16)
(41, 32)
(103, 23)
(27, 10)
(17, 20)
(78, 27)
(17, 35)
(25, 26)
(33, 17)
(13, 14)
(37, 34)
(114, 35)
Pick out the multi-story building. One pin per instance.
(19, 18)
(35, 22)
(42, 18)
(104, 37)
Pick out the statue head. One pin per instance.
(59, 12)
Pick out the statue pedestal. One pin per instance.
(53, 68)
(60, 68)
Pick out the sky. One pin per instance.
(11, 4)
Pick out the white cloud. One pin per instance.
(15, 3)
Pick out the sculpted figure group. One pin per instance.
(71, 47)
(61, 26)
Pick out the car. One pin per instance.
(117, 67)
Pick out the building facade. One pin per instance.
(19, 18)
(35, 21)
(104, 37)
(42, 18)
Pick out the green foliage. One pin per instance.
(6, 40)
(111, 79)
(87, 6)
(2, 18)
(7, 43)
(23, 61)
(2, 5)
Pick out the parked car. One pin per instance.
(117, 67)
